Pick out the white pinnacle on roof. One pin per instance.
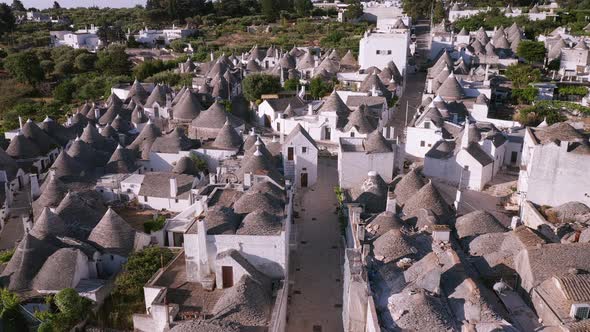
(257, 152)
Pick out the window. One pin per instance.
(377, 52)
(145, 198)
(466, 168)
(582, 312)
(427, 125)
(388, 52)
(352, 134)
(422, 143)
(176, 200)
(304, 149)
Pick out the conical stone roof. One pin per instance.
(451, 90)
(48, 223)
(113, 234)
(158, 95)
(227, 138)
(21, 147)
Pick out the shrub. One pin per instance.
(6, 255)
(154, 225)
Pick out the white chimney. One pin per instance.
(203, 257)
(212, 178)
(20, 122)
(457, 199)
(173, 187)
(309, 109)
(96, 114)
(248, 179)
(391, 203)
(35, 192)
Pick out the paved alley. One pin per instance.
(316, 292)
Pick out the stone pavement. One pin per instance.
(316, 265)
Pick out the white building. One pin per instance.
(161, 37)
(329, 119)
(84, 38)
(554, 165)
(359, 156)
(378, 47)
(235, 240)
(300, 158)
(157, 190)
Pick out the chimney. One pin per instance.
(203, 255)
(248, 179)
(457, 199)
(515, 222)
(96, 114)
(212, 178)
(391, 203)
(20, 122)
(465, 138)
(282, 133)
(35, 192)
(309, 109)
(173, 187)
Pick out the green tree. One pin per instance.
(56, 5)
(522, 75)
(303, 7)
(318, 88)
(10, 316)
(291, 84)
(85, 62)
(113, 61)
(417, 8)
(531, 51)
(177, 45)
(18, 6)
(269, 9)
(139, 269)
(149, 68)
(255, 85)
(525, 96)
(48, 66)
(64, 68)
(354, 9)
(7, 19)
(25, 67)
(439, 12)
(64, 92)
(71, 304)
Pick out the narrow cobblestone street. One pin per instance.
(316, 290)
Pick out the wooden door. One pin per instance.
(290, 153)
(513, 157)
(327, 134)
(303, 180)
(227, 275)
